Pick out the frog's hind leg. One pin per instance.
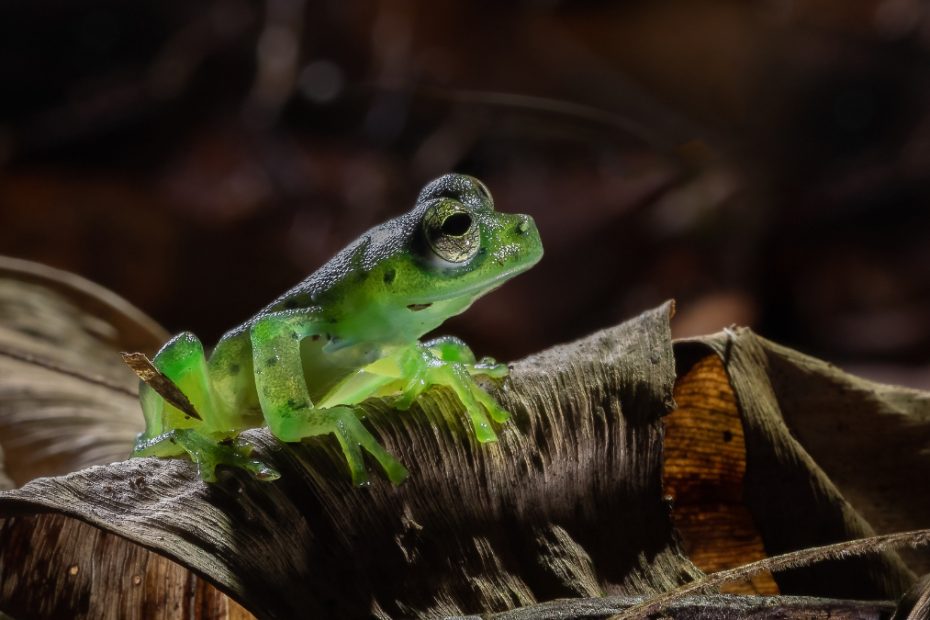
(285, 400)
(171, 432)
(181, 360)
(206, 452)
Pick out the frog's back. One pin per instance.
(370, 249)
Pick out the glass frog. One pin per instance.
(349, 332)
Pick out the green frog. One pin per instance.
(349, 332)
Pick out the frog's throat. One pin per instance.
(475, 290)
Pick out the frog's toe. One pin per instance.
(394, 469)
(238, 455)
(353, 438)
(484, 433)
(411, 391)
(207, 463)
(353, 455)
(488, 367)
(497, 413)
(261, 471)
(163, 445)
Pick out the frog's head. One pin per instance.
(457, 248)
(466, 248)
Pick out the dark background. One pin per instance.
(764, 163)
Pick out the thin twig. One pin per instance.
(551, 105)
(795, 559)
(145, 369)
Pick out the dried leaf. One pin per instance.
(100, 311)
(793, 502)
(872, 440)
(568, 503)
(705, 466)
(66, 400)
(915, 605)
(91, 560)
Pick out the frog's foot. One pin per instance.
(415, 386)
(206, 452)
(352, 435)
(488, 367)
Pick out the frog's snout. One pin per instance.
(526, 236)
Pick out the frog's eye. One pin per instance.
(451, 231)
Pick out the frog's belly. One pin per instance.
(324, 367)
(233, 377)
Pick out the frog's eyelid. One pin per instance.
(461, 192)
(483, 189)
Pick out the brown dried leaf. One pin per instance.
(66, 399)
(705, 464)
(475, 528)
(872, 440)
(568, 503)
(794, 504)
(915, 605)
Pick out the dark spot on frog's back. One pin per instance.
(234, 369)
(418, 307)
(271, 361)
(389, 276)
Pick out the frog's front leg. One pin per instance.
(448, 361)
(452, 349)
(285, 400)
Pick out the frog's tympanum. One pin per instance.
(347, 333)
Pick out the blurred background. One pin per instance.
(765, 163)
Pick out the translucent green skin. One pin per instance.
(347, 333)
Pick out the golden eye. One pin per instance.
(451, 231)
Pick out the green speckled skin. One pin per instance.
(347, 333)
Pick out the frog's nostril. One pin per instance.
(524, 225)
